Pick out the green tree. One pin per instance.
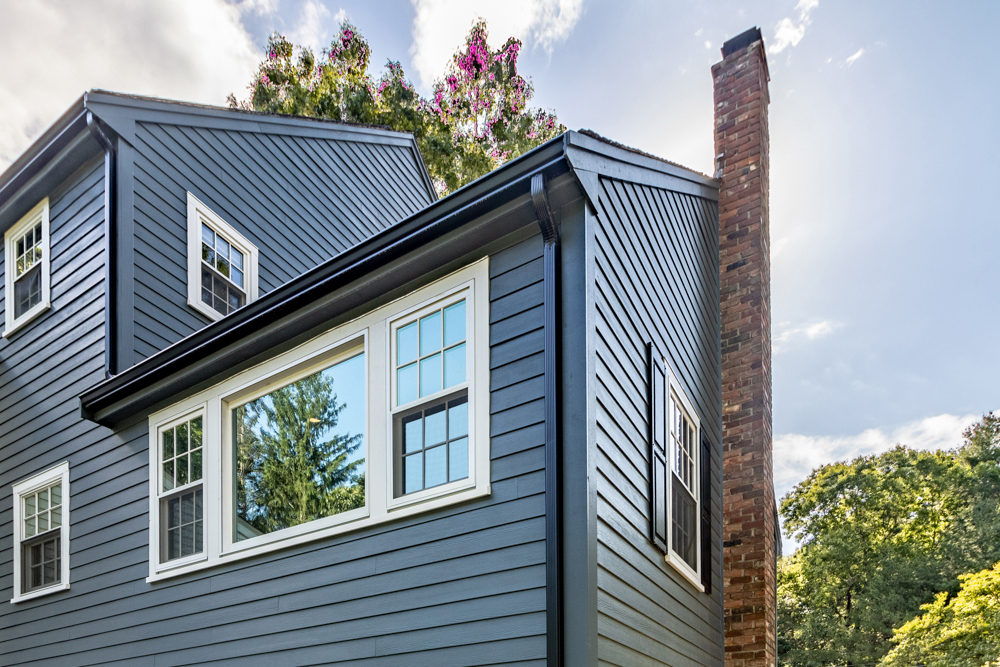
(882, 535)
(961, 632)
(291, 464)
(478, 116)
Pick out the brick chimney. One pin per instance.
(741, 148)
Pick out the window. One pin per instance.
(27, 268)
(431, 412)
(41, 534)
(222, 264)
(377, 419)
(181, 497)
(675, 471)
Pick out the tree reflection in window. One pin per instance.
(298, 451)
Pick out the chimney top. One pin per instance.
(742, 41)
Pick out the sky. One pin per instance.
(883, 157)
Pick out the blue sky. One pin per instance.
(883, 151)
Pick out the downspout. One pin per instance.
(553, 477)
(110, 231)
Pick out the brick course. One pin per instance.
(741, 147)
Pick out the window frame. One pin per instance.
(56, 474)
(371, 333)
(197, 213)
(156, 488)
(40, 213)
(676, 391)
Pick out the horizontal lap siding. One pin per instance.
(456, 587)
(299, 200)
(657, 280)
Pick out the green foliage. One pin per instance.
(291, 465)
(882, 535)
(478, 117)
(962, 632)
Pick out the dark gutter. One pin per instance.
(553, 477)
(131, 390)
(110, 233)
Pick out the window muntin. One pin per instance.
(299, 451)
(222, 272)
(430, 431)
(684, 479)
(27, 268)
(181, 466)
(222, 264)
(372, 333)
(41, 538)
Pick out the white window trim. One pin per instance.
(39, 213)
(196, 211)
(59, 473)
(371, 330)
(693, 575)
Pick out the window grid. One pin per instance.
(42, 563)
(184, 518)
(42, 510)
(29, 250)
(435, 445)
(181, 454)
(223, 284)
(431, 353)
(682, 437)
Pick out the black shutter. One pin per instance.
(657, 448)
(706, 513)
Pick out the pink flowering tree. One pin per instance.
(477, 119)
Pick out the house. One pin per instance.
(265, 401)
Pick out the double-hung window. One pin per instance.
(379, 418)
(222, 264)
(41, 534)
(675, 471)
(27, 268)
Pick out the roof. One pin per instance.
(313, 298)
(120, 112)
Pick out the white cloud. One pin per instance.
(440, 26)
(314, 26)
(857, 54)
(790, 33)
(787, 333)
(194, 50)
(796, 455)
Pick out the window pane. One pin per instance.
(413, 437)
(236, 259)
(435, 428)
(168, 444)
(182, 438)
(406, 344)
(57, 517)
(181, 470)
(56, 495)
(207, 254)
(183, 525)
(207, 235)
(222, 264)
(237, 277)
(43, 500)
(683, 524)
(413, 479)
(221, 250)
(454, 323)
(43, 522)
(458, 418)
(430, 334)
(168, 475)
(29, 527)
(29, 506)
(435, 466)
(454, 366)
(28, 291)
(458, 459)
(430, 374)
(196, 465)
(406, 384)
(300, 451)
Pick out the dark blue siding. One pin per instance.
(657, 280)
(300, 200)
(460, 586)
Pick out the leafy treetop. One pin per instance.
(477, 118)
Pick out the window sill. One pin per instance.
(27, 319)
(330, 531)
(685, 571)
(40, 592)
